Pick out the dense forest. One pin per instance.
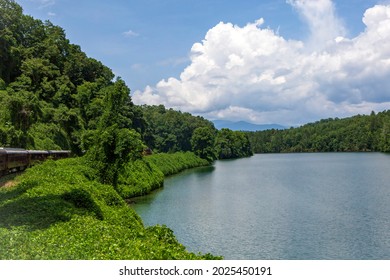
(168, 131)
(361, 133)
(53, 96)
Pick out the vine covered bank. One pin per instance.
(60, 210)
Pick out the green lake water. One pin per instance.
(280, 206)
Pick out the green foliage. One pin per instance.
(39, 74)
(171, 164)
(115, 145)
(139, 178)
(202, 142)
(49, 83)
(3, 86)
(82, 199)
(144, 175)
(48, 136)
(168, 130)
(112, 149)
(78, 218)
(232, 144)
(355, 134)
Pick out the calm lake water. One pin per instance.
(280, 206)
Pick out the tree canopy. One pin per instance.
(53, 96)
(361, 133)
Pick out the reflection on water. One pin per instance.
(280, 206)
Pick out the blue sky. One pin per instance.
(163, 50)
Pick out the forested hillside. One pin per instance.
(53, 96)
(171, 131)
(355, 134)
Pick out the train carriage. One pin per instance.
(3, 161)
(58, 154)
(36, 156)
(12, 159)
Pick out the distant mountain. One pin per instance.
(245, 126)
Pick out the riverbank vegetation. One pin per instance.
(147, 174)
(60, 210)
(361, 133)
(53, 96)
(171, 164)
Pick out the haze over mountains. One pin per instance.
(245, 126)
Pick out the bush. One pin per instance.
(139, 178)
(58, 210)
(171, 164)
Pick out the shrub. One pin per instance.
(59, 211)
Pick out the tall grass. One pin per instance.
(139, 178)
(58, 210)
(171, 164)
(147, 174)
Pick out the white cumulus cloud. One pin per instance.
(251, 73)
(321, 18)
(130, 33)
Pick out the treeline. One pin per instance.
(361, 133)
(167, 130)
(53, 96)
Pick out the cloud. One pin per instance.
(130, 33)
(252, 73)
(44, 3)
(321, 18)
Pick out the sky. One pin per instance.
(288, 62)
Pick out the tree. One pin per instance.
(115, 144)
(202, 142)
(232, 144)
(385, 135)
(167, 130)
(10, 22)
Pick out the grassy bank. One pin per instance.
(58, 210)
(171, 164)
(148, 174)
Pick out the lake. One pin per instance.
(280, 206)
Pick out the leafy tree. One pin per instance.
(2, 84)
(357, 133)
(114, 144)
(40, 72)
(10, 22)
(167, 130)
(202, 142)
(385, 135)
(232, 144)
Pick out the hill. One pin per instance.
(245, 126)
(361, 133)
(54, 96)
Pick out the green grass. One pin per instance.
(139, 178)
(147, 174)
(58, 210)
(171, 164)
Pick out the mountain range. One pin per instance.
(245, 126)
